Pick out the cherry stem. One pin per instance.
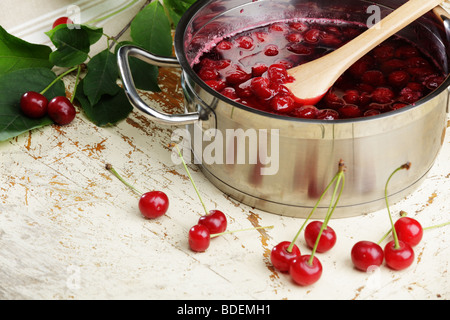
(110, 168)
(233, 231)
(77, 81)
(340, 178)
(437, 226)
(402, 214)
(58, 78)
(394, 232)
(291, 246)
(189, 175)
(112, 14)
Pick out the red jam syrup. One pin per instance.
(250, 68)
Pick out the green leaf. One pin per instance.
(151, 30)
(177, 8)
(145, 75)
(12, 86)
(16, 54)
(101, 77)
(108, 111)
(94, 33)
(72, 45)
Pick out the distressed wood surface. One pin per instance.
(70, 230)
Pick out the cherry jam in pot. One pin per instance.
(250, 68)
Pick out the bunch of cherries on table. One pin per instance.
(250, 68)
(35, 105)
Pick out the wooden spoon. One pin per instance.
(313, 79)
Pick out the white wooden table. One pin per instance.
(70, 230)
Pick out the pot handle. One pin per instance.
(123, 55)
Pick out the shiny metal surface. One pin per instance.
(309, 150)
(124, 53)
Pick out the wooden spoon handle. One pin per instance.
(394, 22)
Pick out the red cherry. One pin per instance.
(61, 110)
(62, 20)
(282, 103)
(406, 52)
(306, 112)
(327, 239)
(225, 45)
(277, 73)
(358, 68)
(392, 65)
(372, 112)
(217, 85)
(409, 96)
(399, 78)
(245, 42)
(303, 273)
(312, 36)
(350, 111)
(153, 204)
(330, 40)
(261, 88)
(398, 258)
(261, 36)
(374, 78)
(271, 50)
(199, 238)
(383, 95)
(294, 37)
(238, 76)
(278, 27)
(409, 231)
(332, 101)
(433, 82)
(417, 62)
(299, 26)
(229, 93)
(281, 258)
(383, 52)
(351, 96)
(215, 221)
(208, 73)
(367, 254)
(33, 104)
(259, 69)
(299, 48)
(327, 114)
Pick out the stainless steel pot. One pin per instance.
(309, 150)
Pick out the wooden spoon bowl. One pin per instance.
(313, 79)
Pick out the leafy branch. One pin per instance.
(25, 66)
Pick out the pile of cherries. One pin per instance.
(250, 68)
(365, 255)
(35, 105)
(307, 269)
(155, 204)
